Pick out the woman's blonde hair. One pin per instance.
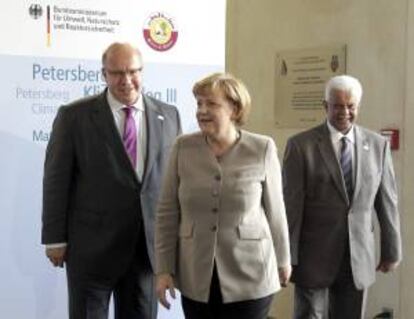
(233, 90)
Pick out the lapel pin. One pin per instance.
(161, 118)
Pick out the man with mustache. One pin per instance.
(336, 178)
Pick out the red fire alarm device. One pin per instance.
(393, 136)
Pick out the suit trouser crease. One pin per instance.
(341, 300)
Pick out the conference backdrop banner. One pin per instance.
(50, 55)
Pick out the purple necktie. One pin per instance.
(130, 135)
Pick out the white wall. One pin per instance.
(378, 53)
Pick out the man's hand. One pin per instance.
(284, 275)
(164, 283)
(57, 256)
(387, 266)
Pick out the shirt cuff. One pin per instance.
(56, 245)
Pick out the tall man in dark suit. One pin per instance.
(102, 178)
(336, 177)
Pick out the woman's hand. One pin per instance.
(165, 282)
(284, 275)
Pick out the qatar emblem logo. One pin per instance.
(160, 32)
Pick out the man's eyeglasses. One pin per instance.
(122, 73)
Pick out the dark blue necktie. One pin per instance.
(346, 165)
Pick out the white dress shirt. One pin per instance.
(140, 124)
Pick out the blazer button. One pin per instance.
(213, 228)
(215, 210)
(217, 177)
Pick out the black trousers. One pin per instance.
(216, 309)
(134, 293)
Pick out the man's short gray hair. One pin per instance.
(345, 83)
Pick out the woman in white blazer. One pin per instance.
(221, 232)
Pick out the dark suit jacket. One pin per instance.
(92, 198)
(323, 220)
